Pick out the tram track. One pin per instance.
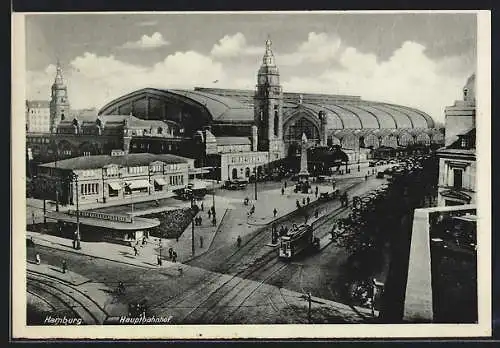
(78, 302)
(243, 263)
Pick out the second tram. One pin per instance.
(297, 240)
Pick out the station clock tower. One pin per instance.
(268, 107)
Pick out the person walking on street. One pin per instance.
(170, 252)
(200, 219)
(316, 213)
(64, 266)
(275, 212)
(238, 241)
(37, 257)
(201, 241)
(316, 191)
(202, 207)
(304, 201)
(209, 213)
(135, 251)
(282, 191)
(174, 256)
(308, 200)
(214, 221)
(285, 183)
(297, 203)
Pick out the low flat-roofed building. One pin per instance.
(96, 226)
(111, 177)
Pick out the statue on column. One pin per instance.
(304, 173)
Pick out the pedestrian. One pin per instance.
(214, 221)
(200, 220)
(282, 191)
(297, 203)
(316, 191)
(275, 212)
(285, 184)
(238, 241)
(202, 207)
(366, 177)
(201, 241)
(308, 200)
(135, 251)
(213, 210)
(359, 168)
(303, 201)
(316, 214)
(170, 252)
(64, 266)
(209, 214)
(174, 256)
(158, 260)
(37, 257)
(144, 240)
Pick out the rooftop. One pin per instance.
(100, 161)
(233, 141)
(32, 104)
(136, 224)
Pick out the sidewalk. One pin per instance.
(147, 257)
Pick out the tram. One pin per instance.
(297, 240)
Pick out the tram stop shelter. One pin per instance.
(99, 227)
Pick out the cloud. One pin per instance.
(147, 42)
(234, 45)
(147, 23)
(408, 77)
(94, 80)
(319, 48)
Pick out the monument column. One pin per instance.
(304, 173)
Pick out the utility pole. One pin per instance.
(77, 245)
(256, 175)
(56, 155)
(309, 299)
(44, 212)
(192, 227)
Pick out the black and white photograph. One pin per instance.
(185, 170)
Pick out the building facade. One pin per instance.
(103, 178)
(59, 102)
(37, 116)
(457, 160)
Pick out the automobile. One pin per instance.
(372, 163)
(388, 171)
(236, 184)
(380, 175)
(326, 196)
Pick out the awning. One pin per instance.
(197, 185)
(160, 181)
(138, 184)
(115, 186)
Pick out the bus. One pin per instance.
(297, 240)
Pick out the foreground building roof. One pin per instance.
(100, 161)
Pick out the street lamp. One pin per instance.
(192, 226)
(77, 239)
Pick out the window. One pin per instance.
(276, 123)
(89, 189)
(463, 142)
(457, 178)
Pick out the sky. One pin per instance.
(420, 60)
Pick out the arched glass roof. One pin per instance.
(341, 113)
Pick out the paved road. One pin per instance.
(255, 260)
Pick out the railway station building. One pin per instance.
(237, 131)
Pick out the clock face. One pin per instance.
(262, 79)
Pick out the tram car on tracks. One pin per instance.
(297, 240)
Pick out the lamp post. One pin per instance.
(56, 155)
(77, 240)
(192, 227)
(255, 181)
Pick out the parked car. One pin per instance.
(380, 175)
(326, 196)
(236, 184)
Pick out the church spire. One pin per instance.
(268, 58)
(59, 80)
